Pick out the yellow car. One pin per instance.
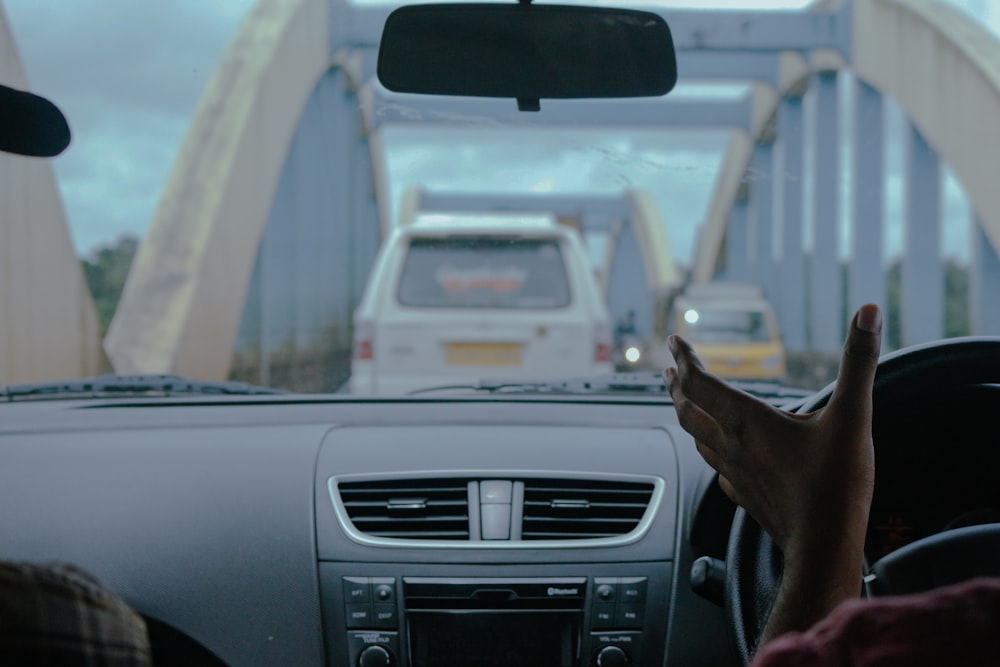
(733, 329)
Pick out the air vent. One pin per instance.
(573, 509)
(420, 509)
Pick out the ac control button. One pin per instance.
(630, 616)
(612, 656)
(356, 589)
(375, 656)
(383, 589)
(358, 615)
(373, 648)
(604, 616)
(386, 616)
(632, 589)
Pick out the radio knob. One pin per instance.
(375, 656)
(612, 656)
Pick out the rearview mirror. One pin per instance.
(528, 52)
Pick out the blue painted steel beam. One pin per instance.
(738, 242)
(728, 66)
(691, 29)
(866, 281)
(791, 298)
(595, 212)
(922, 288)
(760, 30)
(761, 183)
(825, 284)
(627, 286)
(489, 112)
(355, 26)
(984, 284)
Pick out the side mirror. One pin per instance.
(31, 125)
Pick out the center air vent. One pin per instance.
(420, 509)
(573, 509)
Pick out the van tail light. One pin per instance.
(364, 341)
(602, 344)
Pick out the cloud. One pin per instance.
(128, 75)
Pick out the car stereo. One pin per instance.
(416, 621)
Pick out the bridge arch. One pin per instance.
(180, 308)
(939, 65)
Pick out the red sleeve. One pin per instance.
(957, 625)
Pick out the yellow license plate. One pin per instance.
(483, 354)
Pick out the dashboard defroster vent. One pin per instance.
(574, 509)
(418, 509)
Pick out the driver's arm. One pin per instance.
(807, 479)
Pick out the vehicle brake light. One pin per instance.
(602, 352)
(602, 343)
(364, 348)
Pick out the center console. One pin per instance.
(411, 617)
(499, 546)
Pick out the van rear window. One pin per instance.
(484, 273)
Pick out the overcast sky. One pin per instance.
(128, 74)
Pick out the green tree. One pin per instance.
(105, 270)
(956, 302)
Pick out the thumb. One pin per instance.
(853, 394)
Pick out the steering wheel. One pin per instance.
(753, 562)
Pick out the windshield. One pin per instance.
(233, 202)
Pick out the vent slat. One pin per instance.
(534, 535)
(582, 509)
(581, 519)
(420, 509)
(429, 535)
(383, 504)
(409, 519)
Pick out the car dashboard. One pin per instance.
(497, 530)
(312, 531)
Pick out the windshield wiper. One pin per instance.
(641, 383)
(617, 383)
(104, 386)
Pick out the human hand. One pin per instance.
(806, 479)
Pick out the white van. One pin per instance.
(457, 300)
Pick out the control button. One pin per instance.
(355, 589)
(629, 615)
(358, 644)
(604, 616)
(632, 589)
(383, 589)
(375, 656)
(495, 491)
(385, 616)
(496, 522)
(358, 615)
(606, 593)
(612, 656)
